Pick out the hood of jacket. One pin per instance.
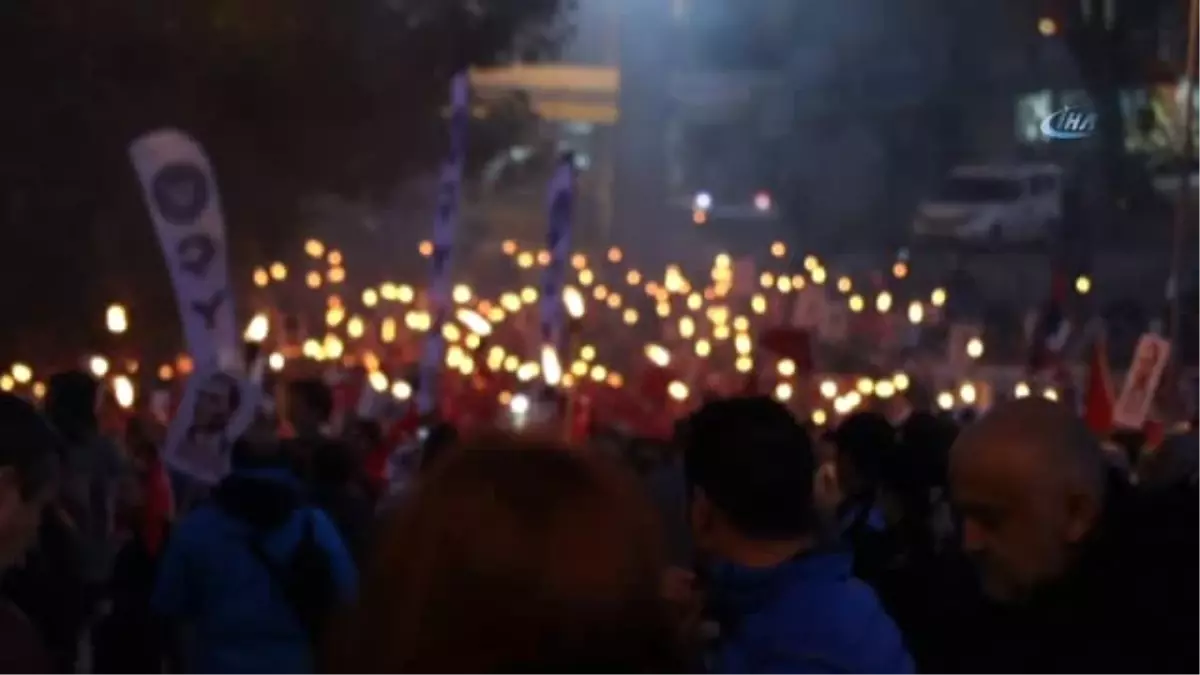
(263, 497)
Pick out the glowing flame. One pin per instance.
(378, 381)
(658, 355)
(474, 321)
(551, 368)
(22, 373)
(98, 365)
(573, 300)
(123, 391)
(116, 319)
(258, 328)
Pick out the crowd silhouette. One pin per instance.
(1018, 542)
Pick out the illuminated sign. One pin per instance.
(1069, 124)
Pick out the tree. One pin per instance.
(289, 97)
(1115, 45)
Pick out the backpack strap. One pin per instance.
(278, 572)
(274, 569)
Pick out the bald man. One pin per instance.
(1029, 481)
(1096, 582)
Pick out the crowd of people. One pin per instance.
(750, 542)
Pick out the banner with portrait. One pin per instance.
(1141, 382)
(217, 408)
(181, 196)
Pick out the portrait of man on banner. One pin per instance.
(216, 409)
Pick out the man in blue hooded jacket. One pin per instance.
(782, 602)
(220, 578)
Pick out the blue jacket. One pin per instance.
(808, 615)
(668, 492)
(211, 581)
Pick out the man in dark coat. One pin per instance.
(30, 460)
(1088, 575)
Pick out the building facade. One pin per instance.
(820, 124)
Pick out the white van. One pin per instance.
(1020, 202)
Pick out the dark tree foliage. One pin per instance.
(1118, 44)
(289, 97)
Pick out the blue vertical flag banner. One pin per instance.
(558, 243)
(444, 224)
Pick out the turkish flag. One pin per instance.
(789, 343)
(159, 508)
(1098, 397)
(652, 384)
(580, 424)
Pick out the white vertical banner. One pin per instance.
(219, 404)
(181, 194)
(445, 223)
(1141, 382)
(558, 243)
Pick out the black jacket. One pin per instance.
(1129, 604)
(50, 589)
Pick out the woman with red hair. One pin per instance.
(514, 555)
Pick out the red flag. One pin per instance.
(401, 430)
(1052, 329)
(1155, 432)
(1098, 398)
(159, 509)
(652, 384)
(789, 343)
(750, 384)
(580, 424)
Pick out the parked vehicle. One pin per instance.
(1014, 203)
